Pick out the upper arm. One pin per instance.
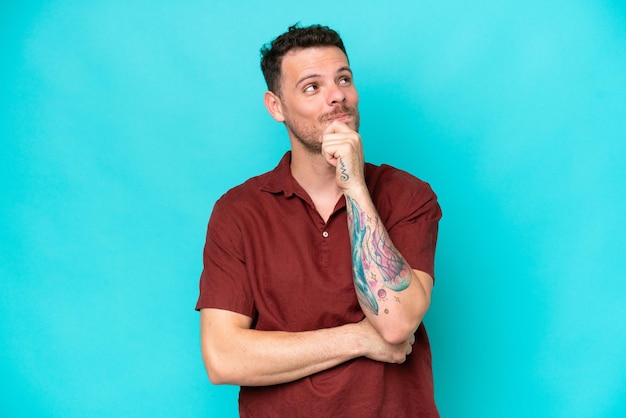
(218, 330)
(412, 221)
(218, 323)
(426, 281)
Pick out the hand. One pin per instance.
(376, 348)
(342, 148)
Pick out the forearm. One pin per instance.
(389, 291)
(248, 357)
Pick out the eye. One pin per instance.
(345, 80)
(310, 88)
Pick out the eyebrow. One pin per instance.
(340, 70)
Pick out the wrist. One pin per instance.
(355, 336)
(356, 191)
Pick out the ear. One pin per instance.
(274, 106)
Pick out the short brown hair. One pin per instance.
(296, 37)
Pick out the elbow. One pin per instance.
(221, 376)
(403, 330)
(217, 370)
(399, 334)
(215, 376)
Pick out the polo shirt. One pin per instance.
(269, 255)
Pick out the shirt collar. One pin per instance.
(280, 178)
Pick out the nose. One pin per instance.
(336, 95)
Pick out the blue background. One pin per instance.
(121, 122)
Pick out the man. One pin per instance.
(317, 274)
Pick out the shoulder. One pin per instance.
(232, 212)
(241, 197)
(385, 179)
(260, 187)
(399, 195)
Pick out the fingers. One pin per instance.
(409, 349)
(341, 147)
(337, 134)
(380, 350)
(336, 127)
(408, 345)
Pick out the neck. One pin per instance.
(314, 173)
(318, 179)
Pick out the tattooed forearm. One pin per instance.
(364, 292)
(376, 264)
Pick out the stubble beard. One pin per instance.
(309, 135)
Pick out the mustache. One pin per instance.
(341, 110)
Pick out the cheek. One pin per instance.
(302, 110)
(309, 116)
(354, 97)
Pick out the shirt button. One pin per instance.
(325, 234)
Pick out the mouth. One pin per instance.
(342, 114)
(343, 117)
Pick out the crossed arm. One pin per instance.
(393, 296)
(235, 354)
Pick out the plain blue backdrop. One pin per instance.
(123, 121)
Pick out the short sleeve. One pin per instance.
(410, 211)
(224, 280)
(415, 227)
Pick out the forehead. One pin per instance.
(319, 60)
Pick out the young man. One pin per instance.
(317, 274)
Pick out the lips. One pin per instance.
(342, 114)
(341, 118)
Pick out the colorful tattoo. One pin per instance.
(374, 255)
